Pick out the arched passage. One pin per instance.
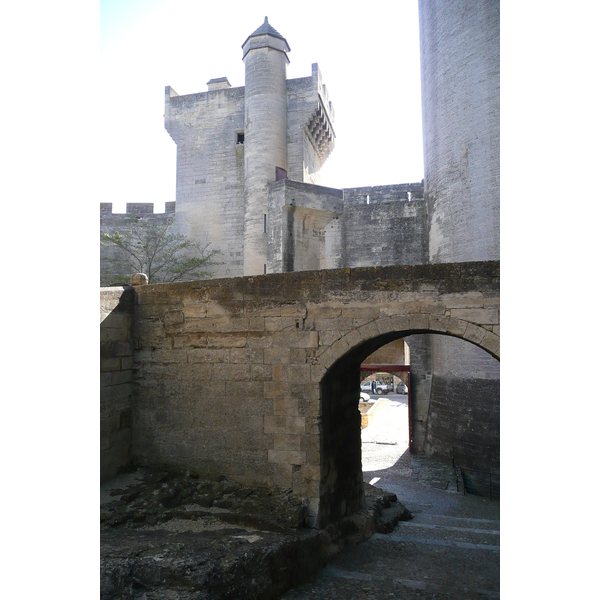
(341, 489)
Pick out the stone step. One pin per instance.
(400, 584)
(451, 528)
(442, 530)
(408, 539)
(467, 522)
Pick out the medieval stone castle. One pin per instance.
(248, 164)
(248, 169)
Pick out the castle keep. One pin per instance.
(248, 173)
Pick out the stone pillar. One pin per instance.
(265, 135)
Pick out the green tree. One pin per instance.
(150, 246)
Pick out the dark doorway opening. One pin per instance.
(342, 486)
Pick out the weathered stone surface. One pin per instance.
(116, 388)
(285, 406)
(290, 457)
(176, 534)
(455, 219)
(487, 316)
(284, 424)
(139, 279)
(216, 377)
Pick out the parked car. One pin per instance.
(383, 388)
(364, 397)
(366, 386)
(401, 388)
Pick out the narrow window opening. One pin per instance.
(265, 269)
(264, 223)
(368, 199)
(409, 195)
(239, 138)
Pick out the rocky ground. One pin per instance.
(174, 535)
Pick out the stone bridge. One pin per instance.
(257, 378)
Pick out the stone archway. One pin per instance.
(404, 325)
(341, 487)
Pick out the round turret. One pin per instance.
(460, 91)
(265, 135)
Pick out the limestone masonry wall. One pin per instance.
(377, 194)
(460, 91)
(381, 226)
(233, 144)
(116, 387)
(228, 372)
(296, 239)
(210, 170)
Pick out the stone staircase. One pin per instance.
(449, 550)
(431, 556)
(465, 552)
(451, 532)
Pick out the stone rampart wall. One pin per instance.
(474, 440)
(116, 387)
(228, 372)
(132, 209)
(377, 194)
(382, 233)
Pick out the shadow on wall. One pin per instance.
(437, 474)
(456, 392)
(116, 379)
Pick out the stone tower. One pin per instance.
(265, 135)
(460, 88)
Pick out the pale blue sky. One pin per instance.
(369, 60)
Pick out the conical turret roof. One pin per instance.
(267, 29)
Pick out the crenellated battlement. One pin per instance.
(135, 209)
(111, 222)
(381, 194)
